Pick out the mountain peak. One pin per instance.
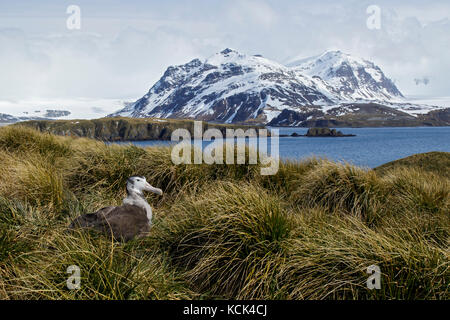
(334, 52)
(337, 54)
(227, 51)
(330, 56)
(225, 56)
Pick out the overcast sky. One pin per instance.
(123, 47)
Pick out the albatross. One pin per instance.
(132, 219)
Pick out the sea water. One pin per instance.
(370, 147)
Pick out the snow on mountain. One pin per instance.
(232, 87)
(228, 87)
(349, 77)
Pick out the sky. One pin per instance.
(123, 47)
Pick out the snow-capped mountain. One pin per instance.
(232, 87)
(228, 87)
(349, 77)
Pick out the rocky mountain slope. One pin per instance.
(231, 87)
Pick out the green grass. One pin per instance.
(220, 231)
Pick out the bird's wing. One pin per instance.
(91, 219)
(125, 222)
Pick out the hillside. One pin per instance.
(361, 115)
(220, 231)
(121, 129)
(435, 162)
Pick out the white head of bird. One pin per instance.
(135, 196)
(138, 184)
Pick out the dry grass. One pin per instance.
(220, 231)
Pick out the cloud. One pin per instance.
(248, 13)
(87, 65)
(123, 48)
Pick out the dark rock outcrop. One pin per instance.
(326, 132)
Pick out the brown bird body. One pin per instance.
(125, 222)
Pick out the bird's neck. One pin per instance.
(136, 198)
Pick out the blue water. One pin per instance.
(370, 148)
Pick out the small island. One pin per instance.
(319, 132)
(326, 132)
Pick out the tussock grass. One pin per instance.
(423, 191)
(220, 231)
(329, 256)
(25, 141)
(108, 270)
(341, 188)
(227, 239)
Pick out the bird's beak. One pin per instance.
(149, 188)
